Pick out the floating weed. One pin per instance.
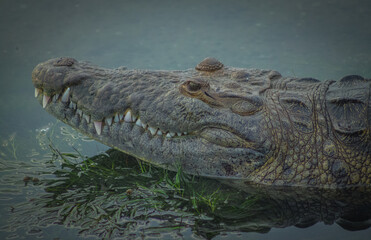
(13, 146)
(143, 167)
(169, 185)
(210, 200)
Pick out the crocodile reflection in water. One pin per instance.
(98, 204)
(220, 121)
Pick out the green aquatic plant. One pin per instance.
(113, 186)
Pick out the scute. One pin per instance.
(308, 80)
(209, 64)
(351, 78)
(347, 104)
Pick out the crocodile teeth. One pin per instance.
(109, 121)
(79, 112)
(138, 122)
(98, 127)
(121, 116)
(37, 92)
(152, 130)
(54, 98)
(72, 105)
(87, 118)
(116, 118)
(128, 117)
(66, 95)
(133, 118)
(46, 100)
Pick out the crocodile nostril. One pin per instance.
(65, 61)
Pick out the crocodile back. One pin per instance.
(320, 132)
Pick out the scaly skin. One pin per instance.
(220, 121)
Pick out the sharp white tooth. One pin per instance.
(109, 121)
(87, 118)
(152, 130)
(185, 133)
(98, 127)
(144, 125)
(37, 92)
(66, 95)
(57, 96)
(172, 134)
(73, 105)
(117, 118)
(133, 118)
(138, 122)
(168, 135)
(121, 116)
(179, 134)
(79, 112)
(46, 99)
(159, 132)
(54, 98)
(128, 116)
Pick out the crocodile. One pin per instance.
(219, 121)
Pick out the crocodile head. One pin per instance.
(220, 121)
(207, 119)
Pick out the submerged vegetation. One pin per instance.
(116, 172)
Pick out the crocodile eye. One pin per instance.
(193, 86)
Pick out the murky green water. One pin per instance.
(45, 193)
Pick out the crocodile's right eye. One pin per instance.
(193, 86)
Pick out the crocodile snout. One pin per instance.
(56, 75)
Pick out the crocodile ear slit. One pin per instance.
(247, 106)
